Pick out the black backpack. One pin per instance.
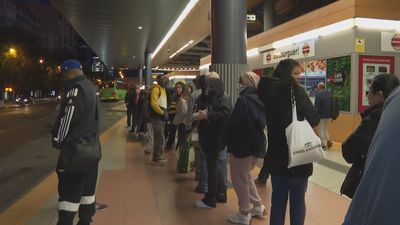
(334, 112)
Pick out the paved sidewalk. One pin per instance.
(139, 193)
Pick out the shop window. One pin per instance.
(312, 73)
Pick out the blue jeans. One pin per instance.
(283, 187)
(222, 165)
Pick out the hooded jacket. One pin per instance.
(276, 96)
(219, 107)
(245, 129)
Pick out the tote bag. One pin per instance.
(304, 145)
(186, 158)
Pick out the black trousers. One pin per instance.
(216, 183)
(76, 193)
(182, 135)
(129, 115)
(264, 173)
(170, 132)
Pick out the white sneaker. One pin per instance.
(258, 211)
(203, 205)
(240, 218)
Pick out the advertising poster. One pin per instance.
(338, 74)
(369, 67)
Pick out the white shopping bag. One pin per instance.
(304, 145)
(195, 135)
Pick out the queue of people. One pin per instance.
(253, 128)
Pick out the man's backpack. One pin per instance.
(334, 112)
(147, 110)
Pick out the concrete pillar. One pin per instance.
(268, 15)
(229, 42)
(147, 70)
(140, 76)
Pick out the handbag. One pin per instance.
(352, 179)
(303, 144)
(83, 153)
(350, 184)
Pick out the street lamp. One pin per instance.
(12, 52)
(41, 61)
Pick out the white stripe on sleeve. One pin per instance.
(68, 122)
(63, 124)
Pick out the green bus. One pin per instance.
(112, 91)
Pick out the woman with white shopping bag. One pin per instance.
(281, 94)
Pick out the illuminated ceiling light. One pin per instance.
(182, 77)
(134, 57)
(252, 52)
(336, 27)
(181, 17)
(313, 34)
(140, 27)
(377, 24)
(191, 41)
(172, 56)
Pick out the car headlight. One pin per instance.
(25, 100)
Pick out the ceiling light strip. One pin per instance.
(181, 17)
(338, 27)
(181, 49)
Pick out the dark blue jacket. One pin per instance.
(245, 129)
(323, 104)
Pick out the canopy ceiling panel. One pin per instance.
(111, 27)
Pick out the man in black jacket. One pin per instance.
(75, 127)
(212, 122)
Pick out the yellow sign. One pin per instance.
(360, 45)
